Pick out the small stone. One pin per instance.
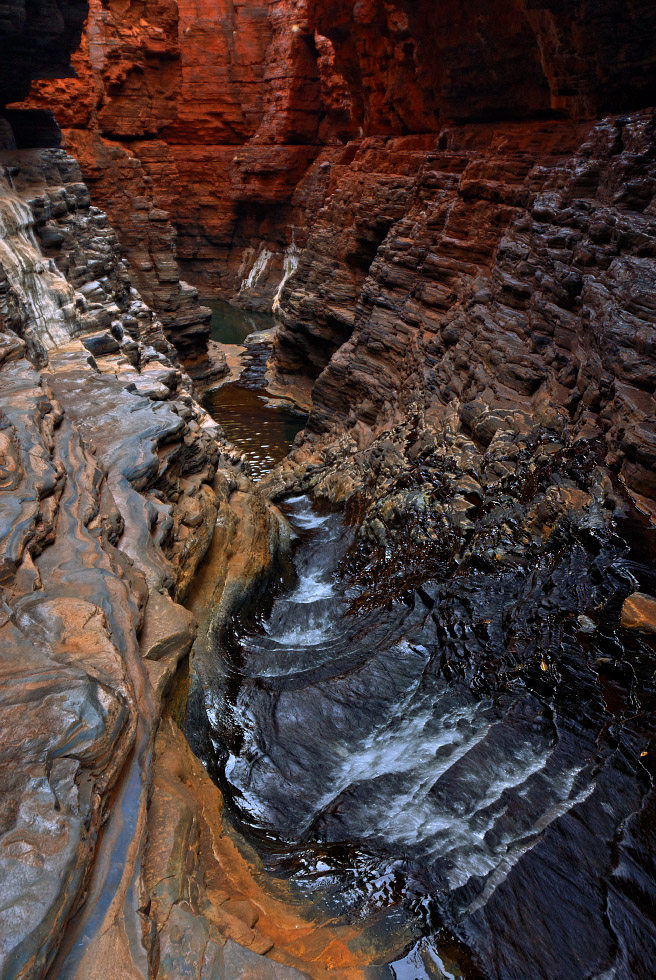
(639, 613)
(586, 625)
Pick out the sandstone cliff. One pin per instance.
(207, 112)
(216, 112)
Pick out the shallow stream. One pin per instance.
(393, 799)
(261, 429)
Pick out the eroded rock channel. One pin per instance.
(431, 725)
(327, 641)
(434, 762)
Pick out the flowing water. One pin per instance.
(383, 785)
(392, 798)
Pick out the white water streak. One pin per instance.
(289, 267)
(258, 267)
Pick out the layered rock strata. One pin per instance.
(410, 66)
(220, 110)
(110, 496)
(474, 302)
(493, 267)
(476, 310)
(115, 858)
(210, 116)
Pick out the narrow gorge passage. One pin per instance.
(261, 429)
(412, 805)
(365, 693)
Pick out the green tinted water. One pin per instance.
(230, 325)
(263, 432)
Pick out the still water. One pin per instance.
(262, 431)
(231, 325)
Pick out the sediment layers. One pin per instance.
(474, 307)
(110, 496)
(497, 266)
(212, 114)
(216, 112)
(474, 300)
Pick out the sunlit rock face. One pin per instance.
(216, 112)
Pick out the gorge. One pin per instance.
(368, 691)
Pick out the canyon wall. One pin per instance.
(112, 478)
(454, 214)
(109, 498)
(211, 113)
(217, 117)
(495, 266)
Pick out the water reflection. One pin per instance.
(230, 325)
(262, 431)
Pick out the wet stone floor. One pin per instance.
(516, 821)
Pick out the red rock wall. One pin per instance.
(246, 127)
(213, 111)
(218, 109)
(412, 65)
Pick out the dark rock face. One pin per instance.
(513, 266)
(30, 128)
(411, 65)
(36, 41)
(473, 304)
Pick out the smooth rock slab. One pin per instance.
(242, 963)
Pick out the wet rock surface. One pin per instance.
(444, 723)
(109, 498)
(433, 716)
